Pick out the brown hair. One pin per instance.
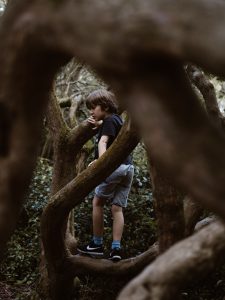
(104, 98)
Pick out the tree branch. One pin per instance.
(79, 265)
(208, 92)
(23, 65)
(73, 193)
(168, 205)
(168, 117)
(55, 120)
(181, 264)
(155, 21)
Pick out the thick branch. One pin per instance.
(67, 148)
(162, 23)
(78, 265)
(55, 121)
(168, 117)
(79, 135)
(208, 92)
(166, 25)
(23, 65)
(185, 262)
(169, 210)
(74, 192)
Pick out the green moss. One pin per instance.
(20, 265)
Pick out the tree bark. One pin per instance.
(162, 23)
(81, 265)
(208, 92)
(67, 144)
(182, 263)
(143, 63)
(56, 213)
(164, 120)
(192, 214)
(21, 118)
(169, 210)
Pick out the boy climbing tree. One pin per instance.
(116, 187)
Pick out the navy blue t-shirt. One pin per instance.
(111, 126)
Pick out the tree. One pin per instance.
(67, 144)
(143, 63)
(54, 220)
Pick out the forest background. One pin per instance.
(20, 268)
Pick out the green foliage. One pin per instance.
(141, 171)
(139, 230)
(20, 266)
(21, 261)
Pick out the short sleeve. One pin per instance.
(108, 127)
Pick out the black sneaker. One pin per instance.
(91, 249)
(115, 255)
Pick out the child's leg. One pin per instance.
(118, 224)
(98, 217)
(95, 247)
(119, 201)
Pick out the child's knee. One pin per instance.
(98, 202)
(116, 209)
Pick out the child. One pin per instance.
(116, 187)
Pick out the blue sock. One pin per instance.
(98, 240)
(115, 244)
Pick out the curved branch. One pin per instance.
(55, 121)
(73, 193)
(157, 21)
(203, 43)
(182, 263)
(79, 135)
(208, 92)
(21, 70)
(206, 221)
(168, 117)
(67, 147)
(162, 23)
(78, 265)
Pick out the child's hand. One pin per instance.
(94, 122)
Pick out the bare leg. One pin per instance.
(118, 222)
(97, 216)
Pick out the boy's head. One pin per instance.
(105, 99)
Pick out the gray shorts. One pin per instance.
(117, 186)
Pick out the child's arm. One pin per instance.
(102, 144)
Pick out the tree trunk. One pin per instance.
(181, 264)
(56, 213)
(192, 212)
(169, 209)
(143, 62)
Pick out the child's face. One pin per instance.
(98, 113)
